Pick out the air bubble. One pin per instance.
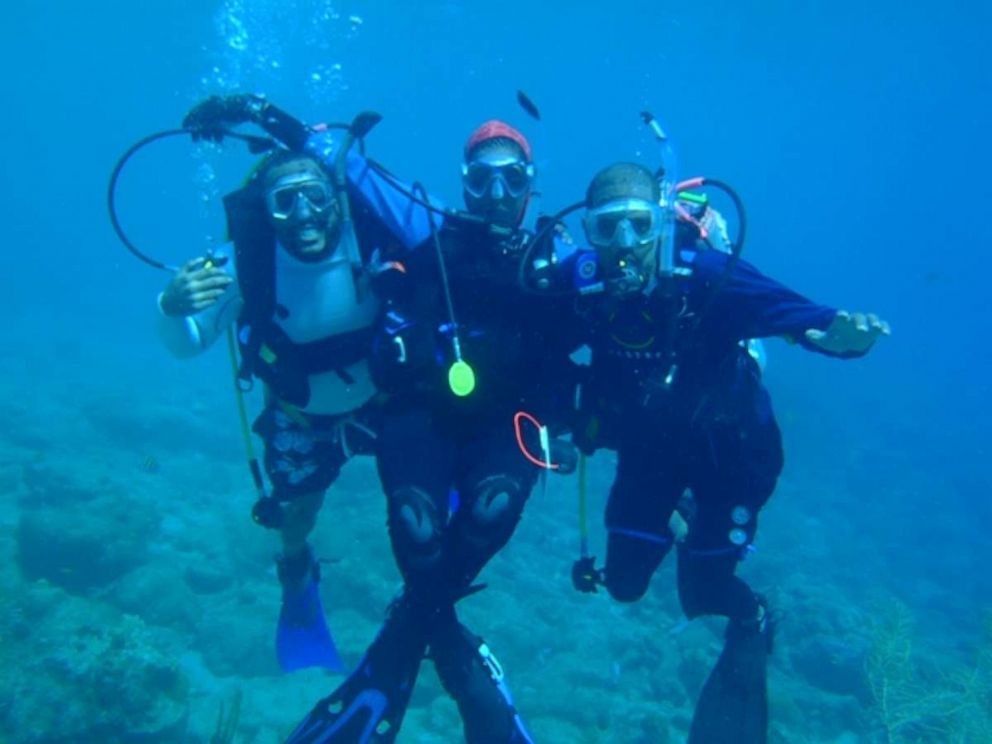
(253, 37)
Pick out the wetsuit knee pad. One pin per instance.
(626, 587)
(495, 508)
(415, 527)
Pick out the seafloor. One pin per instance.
(139, 600)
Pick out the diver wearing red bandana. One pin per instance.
(461, 350)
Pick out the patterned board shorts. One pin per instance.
(304, 453)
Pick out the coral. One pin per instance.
(81, 530)
(157, 593)
(243, 647)
(116, 680)
(972, 688)
(81, 548)
(227, 721)
(914, 701)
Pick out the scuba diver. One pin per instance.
(455, 471)
(674, 393)
(304, 228)
(705, 227)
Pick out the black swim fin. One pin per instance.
(472, 676)
(369, 706)
(733, 706)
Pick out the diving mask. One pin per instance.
(515, 176)
(624, 223)
(283, 199)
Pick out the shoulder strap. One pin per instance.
(254, 251)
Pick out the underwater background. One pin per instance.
(137, 599)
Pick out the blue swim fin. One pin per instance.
(302, 638)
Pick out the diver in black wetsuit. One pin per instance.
(680, 400)
(459, 368)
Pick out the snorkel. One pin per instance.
(360, 126)
(667, 183)
(667, 293)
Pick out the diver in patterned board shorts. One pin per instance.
(301, 302)
(441, 433)
(682, 404)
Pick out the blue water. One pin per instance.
(856, 133)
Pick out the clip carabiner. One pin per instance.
(545, 441)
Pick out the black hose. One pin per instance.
(112, 194)
(541, 235)
(409, 194)
(738, 245)
(470, 219)
(443, 269)
(255, 144)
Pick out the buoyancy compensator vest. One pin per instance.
(267, 352)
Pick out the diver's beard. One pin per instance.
(309, 243)
(503, 213)
(503, 216)
(306, 250)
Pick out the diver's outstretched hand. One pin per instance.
(849, 333)
(194, 288)
(211, 118)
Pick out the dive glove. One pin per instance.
(564, 454)
(210, 119)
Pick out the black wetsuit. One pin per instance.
(698, 420)
(433, 443)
